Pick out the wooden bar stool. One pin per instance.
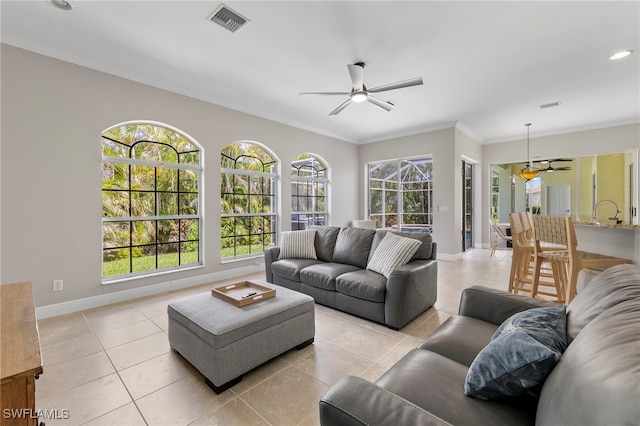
(522, 262)
(566, 264)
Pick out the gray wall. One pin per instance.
(448, 147)
(53, 113)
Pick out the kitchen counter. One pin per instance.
(610, 225)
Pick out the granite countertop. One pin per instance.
(610, 225)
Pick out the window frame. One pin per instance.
(129, 219)
(314, 180)
(274, 178)
(397, 187)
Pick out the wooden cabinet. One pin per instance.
(20, 357)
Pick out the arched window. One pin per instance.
(309, 186)
(151, 180)
(248, 200)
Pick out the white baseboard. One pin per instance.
(134, 293)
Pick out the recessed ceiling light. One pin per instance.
(620, 55)
(60, 4)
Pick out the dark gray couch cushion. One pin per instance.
(424, 251)
(363, 284)
(323, 275)
(325, 241)
(290, 268)
(460, 338)
(613, 286)
(353, 246)
(596, 381)
(436, 384)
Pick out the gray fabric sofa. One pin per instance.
(339, 278)
(595, 382)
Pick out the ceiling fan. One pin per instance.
(360, 93)
(550, 169)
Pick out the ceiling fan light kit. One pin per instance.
(359, 92)
(529, 172)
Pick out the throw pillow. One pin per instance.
(520, 356)
(297, 245)
(392, 252)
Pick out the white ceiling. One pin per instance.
(486, 66)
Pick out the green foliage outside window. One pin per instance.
(150, 207)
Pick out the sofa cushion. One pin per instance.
(460, 338)
(614, 285)
(323, 275)
(363, 284)
(298, 245)
(325, 241)
(596, 381)
(522, 352)
(290, 268)
(392, 251)
(352, 246)
(424, 251)
(436, 384)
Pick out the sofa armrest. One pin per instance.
(495, 306)
(270, 255)
(411, 289)
(355, 401)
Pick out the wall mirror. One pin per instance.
(570, 186)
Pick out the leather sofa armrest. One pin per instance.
(411, 289)
(270, 255)
(354, 401)
(495, 306)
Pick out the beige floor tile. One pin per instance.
(374, 372)
(181, 403)
(116, 336)
(259, 375)
(329, 363)
(88, 401)
(60, 321)
(156, 373)
(162, 321)
(233, 413)
(329, 326)
(138, 351)
(127, 415)
(70, 350)
(113, 316)
(63, 332)
(367, 343)
(66, 375)
(286, 398)
(153, 306)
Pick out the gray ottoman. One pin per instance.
(223, 342)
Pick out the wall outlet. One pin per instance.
(57, 285)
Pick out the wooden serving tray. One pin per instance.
(243, 293)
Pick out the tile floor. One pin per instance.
(112, 365)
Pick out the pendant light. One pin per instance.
(529, 172)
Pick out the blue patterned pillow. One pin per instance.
(520, 356)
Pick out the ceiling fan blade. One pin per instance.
(399, 85)
(355, 71)
(387, 106)
(341, 107)
(325, 93)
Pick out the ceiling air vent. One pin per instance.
(228, 18)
